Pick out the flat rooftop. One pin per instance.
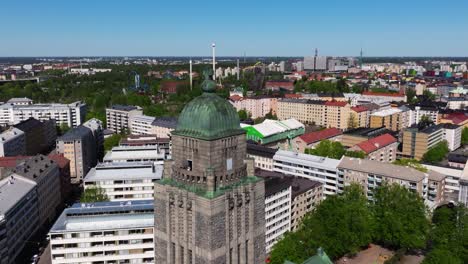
(306, 160)
(12, 190)
(105, 216)
(124, 171)
(380, 168)
(387, 112)
(133, 153)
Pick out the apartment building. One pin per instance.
(452, 180)
(417, 112)
(19, 216)
(45, 172)
(278, 192)
(257, 106)
(323, 113)
(124, 181)
(65, 180)
(163, 126)
(71, 115)
(104, 232)
(452, 134)
(79, 146)
(355, 136)
(310, 140)
(311, 167)
(135, 154)
(394, 119)
(118, 117)
(305, 196)
(360, 117)
(97, 129)
(12, 142)
(417, 141)
(163, 144)
(370, 174)
(40, 136)
(382, 148)
(141, 124)
(263, 156)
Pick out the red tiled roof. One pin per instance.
(320, 135)
(359, 108)
(11, 162)
(336, 103)
(292, 95)
(383, 94)
(60, 159)
(235, 98)
(376, 143)
(279, 84)
(456, 118)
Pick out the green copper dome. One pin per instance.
(208, 116)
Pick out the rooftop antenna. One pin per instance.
(315, 59)
(238, 69)
(360, 60)
(213, 47)
(190, 74)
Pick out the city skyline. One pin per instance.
(57, 28)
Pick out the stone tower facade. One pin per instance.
(209, 208)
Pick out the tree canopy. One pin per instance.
(464, 137)
(400, 217)
(334, 150)
(341, 224)
(448, 239)
(436, 153)
(93, 194)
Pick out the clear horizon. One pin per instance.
(277, 29)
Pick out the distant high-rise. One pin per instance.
(209, 206)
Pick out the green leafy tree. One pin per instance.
(327, 148)
(400, 217)
(270, 115)
(464, 137)
(243, 115)
(355, 154)
(436, 153)
(341, 224)
(352, 122)
(62, 129)
(410, 163)
(93, 194)
(112, 141)
(448, 239)
(410, 95)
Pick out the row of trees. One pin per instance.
(345, 224)
(334, 150)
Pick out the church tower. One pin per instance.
(209, 206)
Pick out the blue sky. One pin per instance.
(257, 27)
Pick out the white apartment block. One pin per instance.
(417, 112)
(105, 232)
(124, 181)
(370, 174)
(141, 124)
(19, 217)
(135, 154)
(312, 167)
(118, 117)
(12, 142)
(277, 212)
(71, 115)
(452, 134)
(452, 178)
